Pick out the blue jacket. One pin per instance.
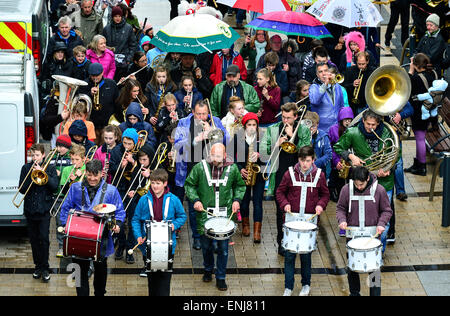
(73, 201)
(175, 214)
(135, 109)
(180, 94)
(183, 145)
(322, 149)
(322, 104)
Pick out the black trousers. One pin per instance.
(159, 283)
(397, 12)
(100, 277)
(174, 8)
(38, 232)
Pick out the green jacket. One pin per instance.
(246, 51)
(252, 103)
(197, 189)
(353, 138)
(271, 135)
(65, 174)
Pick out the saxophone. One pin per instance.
(252, 168)
(343, 173)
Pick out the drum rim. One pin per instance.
(301, 229)
(364, 250)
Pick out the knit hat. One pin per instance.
(131, 134)
(356, 37)
(434, 18)
(64, 141)
(250, 116)
(95, 69)
(116, 11)
(78, 128)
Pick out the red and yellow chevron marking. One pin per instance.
(12, 36)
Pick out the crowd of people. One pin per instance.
(218, 114)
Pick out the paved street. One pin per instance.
(417, 264)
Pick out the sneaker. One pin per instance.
(305, 290)
(287, 292)
(60, 253)
(390, 238)
(221, 285)
(37, 274)
(130, 259)
(281, 251)
(207, 276)
(143, 273)
(197, 245)
(402, 197)
(46, 276)
(119, 253)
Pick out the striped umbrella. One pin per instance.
(290, 23)
(261, 6)
(194, 34)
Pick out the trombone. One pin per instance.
(141, 141)
(89, 156)
(161, 154)
(38, 177)
(288, 146)
(339, 78)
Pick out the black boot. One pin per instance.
(417, 168)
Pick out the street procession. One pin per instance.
(197, 148)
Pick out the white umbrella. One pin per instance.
(261, 6)
(348, 13)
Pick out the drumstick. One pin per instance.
(130, 252)
(209, 213)
(229, 219)
(312, 217)
(371, 238)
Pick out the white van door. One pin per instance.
(12, 151)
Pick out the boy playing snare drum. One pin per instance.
(292, 198)
(165, 206)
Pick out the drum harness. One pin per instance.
(304, 189)
(363, 230)
(217, 211)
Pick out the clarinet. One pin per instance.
(106, 166)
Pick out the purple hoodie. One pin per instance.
(333, 132)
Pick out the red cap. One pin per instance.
(250, 116)
(64, 140)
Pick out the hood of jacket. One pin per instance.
(356, 37)
(309, 176)
(345, 113)
(78, 128)
(135, 109)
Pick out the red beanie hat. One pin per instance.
(116, 11)
(64, 140)
(250, 116)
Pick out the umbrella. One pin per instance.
(290, 23)
(261, 6)
(194, 34)
(348, 13)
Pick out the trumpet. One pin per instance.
(141, 141)
(355, 99)
(172, 161)
(89, 156)
(188, 106)
(96, 99)
(287, 146)
(38, 177)
(161, 155)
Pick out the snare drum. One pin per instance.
(83, 235)
(219, 228)
(364, 254)
(299, 237)
(159, 246)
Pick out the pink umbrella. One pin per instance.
(261, 6)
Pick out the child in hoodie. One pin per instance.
(78, 134)
(303, 176)
(135, 119)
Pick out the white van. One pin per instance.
(19, 128)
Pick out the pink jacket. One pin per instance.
(107, 60)
(100, 154)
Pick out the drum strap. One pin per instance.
(304, 185)
(102, 196)
(166, 209)
(216, 182)
(362, 201)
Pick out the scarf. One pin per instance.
(260, 50)
(371, 139)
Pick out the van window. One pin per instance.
(10, 128)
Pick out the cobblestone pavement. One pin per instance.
(417, 264)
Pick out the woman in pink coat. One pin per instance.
(98, 53)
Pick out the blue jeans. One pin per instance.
(179, 192)
(289, 269)
(208, 256)
(384, 234)
(257, 198)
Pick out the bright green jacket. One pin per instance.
(271, 135)
(353, 138)
(197, 189)
(252, 103)
(65, 174)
